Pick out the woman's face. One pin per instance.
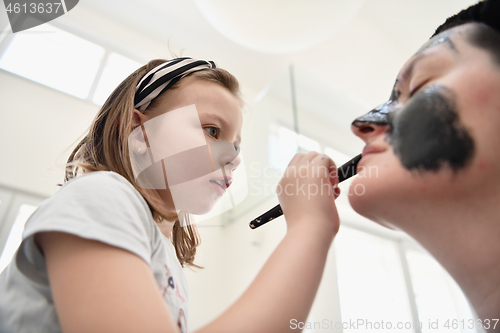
(196, 132)
(436, 141)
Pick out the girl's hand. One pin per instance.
(307, 193)
(286, 285)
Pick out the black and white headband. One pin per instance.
(165, 76)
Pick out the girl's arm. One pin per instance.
(101, 288)
(286, 286)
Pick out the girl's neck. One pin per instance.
(166, 228)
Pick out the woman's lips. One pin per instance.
(371, 150)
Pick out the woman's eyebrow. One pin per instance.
(404, 75)
(407, 72)
(443, 40)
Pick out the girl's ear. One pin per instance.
(138, 118)
(138, 143)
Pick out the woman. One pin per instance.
(435, 144)
(104, 253)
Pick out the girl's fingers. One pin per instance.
(296, 159)
(309, 157)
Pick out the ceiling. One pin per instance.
(361, 59)
(353, 69)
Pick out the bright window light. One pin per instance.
(116, 70)
(437, 296)
(308, 144)
(284, 144)
(371, 282)
(288, 136)
(282, 147)
(336, 156)
(55, 58)
(15, 235)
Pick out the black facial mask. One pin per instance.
(426, 133)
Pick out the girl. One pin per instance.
(435, 144)
(105, 253)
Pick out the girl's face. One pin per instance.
(194, 138)
(436, 141)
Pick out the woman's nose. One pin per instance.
(367, 130)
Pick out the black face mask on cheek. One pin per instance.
(426, 133)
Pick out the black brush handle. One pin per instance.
(346, 171)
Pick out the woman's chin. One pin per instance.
(366, 199)
(360, 205)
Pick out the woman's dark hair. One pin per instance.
(486, 35)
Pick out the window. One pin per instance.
(15, 208)
(371, 281)
(282, 147)
(63, 61)
(15, 235)
(284, 144)
(116, 70)
(437, 296)
(337, 156)
(55, 58)
(373, 287)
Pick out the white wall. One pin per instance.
(38, 125)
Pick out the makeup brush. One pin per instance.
(346, 171)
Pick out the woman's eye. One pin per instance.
(416, 88)
(212, 131)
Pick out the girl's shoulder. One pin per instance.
(96, 190)
(102, 206)
(96, 182)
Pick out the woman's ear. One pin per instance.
(138, 118)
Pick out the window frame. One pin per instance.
(8, 212)
(7, 37)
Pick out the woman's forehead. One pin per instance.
(452, 38)
(452, 41)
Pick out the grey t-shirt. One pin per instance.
(101, 206)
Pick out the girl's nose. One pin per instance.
(233, 164)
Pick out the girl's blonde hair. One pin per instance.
(105, 148)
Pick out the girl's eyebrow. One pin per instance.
(216, 117)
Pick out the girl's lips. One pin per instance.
(217, 186)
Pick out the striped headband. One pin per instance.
(163, 77)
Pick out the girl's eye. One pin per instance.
(212, 131)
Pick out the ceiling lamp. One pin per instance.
(278, 26)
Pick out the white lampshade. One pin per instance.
(278, 26)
